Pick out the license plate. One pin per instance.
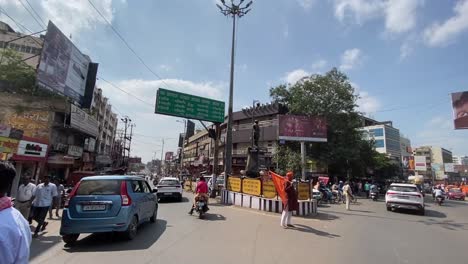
(403, 197)
(201, 204)
(167, 193)
(94, 207)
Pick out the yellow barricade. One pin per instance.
(234, 184)
(269, 190)
(252, 187)
(303, 191)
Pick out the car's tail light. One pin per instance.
(71, 195)
(391, 193)
(126, 200)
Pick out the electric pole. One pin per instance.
(234, 11)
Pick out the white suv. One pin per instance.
(407, 196)
(169, 187)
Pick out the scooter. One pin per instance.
(440, 200)
(374, 196)
(201, 207)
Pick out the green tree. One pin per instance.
(15, 71)
(288, 159)
(331, 96)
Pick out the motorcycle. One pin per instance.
(440, 200)
(201, 207)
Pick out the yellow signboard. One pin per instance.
(234, 184)
(252, 187)
(34, 123)
(303, 191)
(8, 145)
(269, 190)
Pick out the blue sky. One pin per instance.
(403, 56)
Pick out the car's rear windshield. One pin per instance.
(454, 190)
(99, 187)
(403, 189)
(169, 182)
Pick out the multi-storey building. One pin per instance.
(107, 120)
(29, 47)
(436, 158)
(386, 140)
(460, 160)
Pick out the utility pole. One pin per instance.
(130, 138)
(216, 159)
(126, 150)
(162, 152)
(234, 11)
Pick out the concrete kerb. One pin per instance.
(306, 208)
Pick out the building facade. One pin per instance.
(436, 160)
(460, 160)
(29, 47)
(386, 140)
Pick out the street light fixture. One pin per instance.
(234, 11)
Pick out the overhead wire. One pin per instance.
(127, 44)
(41, 24)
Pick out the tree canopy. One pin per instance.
(15, 71)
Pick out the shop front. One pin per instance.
(59, 166)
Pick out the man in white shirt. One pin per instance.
(25, 196)
(44, 195)
(15, 235)
(348, 193)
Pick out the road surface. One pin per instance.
(366, 234)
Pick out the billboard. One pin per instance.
(169, 155)
(460, 110)
(302, 128)
(420, 163)
(81, 121)
(32, 123)
(63, 68)
(449, 167)
(408, 162)
(188, 106)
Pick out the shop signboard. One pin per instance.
(31, 149)
(420, 163)
(8, 145)
(75, 151)
(83, 122)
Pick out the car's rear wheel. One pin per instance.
(70, 239)
(154, 217)
(389, 208)
(131, 231)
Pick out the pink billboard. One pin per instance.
(302, 128)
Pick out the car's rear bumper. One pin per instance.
(403, 205)
(75, 225)
(169, 195)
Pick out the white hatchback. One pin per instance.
(404, 196)
(169, 187)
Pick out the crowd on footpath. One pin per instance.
(32, 203)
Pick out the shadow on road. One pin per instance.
(323, 216)
(173, 200)
(42, 244)
(147, 235)
(446, 224)
(214, 217)
(308, 229)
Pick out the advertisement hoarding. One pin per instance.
(188, 106)
(460, 110)
(169, 155)
(449, 167)
(30, 123)
(302, 128)
(420, 163)
(408, 162)
(62, 68)
(80, 120)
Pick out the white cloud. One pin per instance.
(306, 4)
(400, 15)
(165, 67)
(441, 34)
(367, 104)
(319, 65)
(350, 59)
(71, 17)
(296, 75)
(408, 46)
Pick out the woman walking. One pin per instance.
(290, 204)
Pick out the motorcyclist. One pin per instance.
(438, 192)
(201, 191)
(374, 188)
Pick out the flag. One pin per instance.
(279, 182)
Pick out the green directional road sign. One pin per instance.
(189, 106)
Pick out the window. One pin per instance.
(146, 187)
(403, 189)
(99, 187)
(28, 49)
(379, 143)
(137, 187)
(169, 182)
(23, 48)
(378, 132)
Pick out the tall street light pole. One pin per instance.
(234, 11)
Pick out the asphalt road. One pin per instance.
(366, 234)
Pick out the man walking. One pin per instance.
(348, 193)
(367, 189)
(57, 200)
(15, 235)
(45, 192)
(25, 196)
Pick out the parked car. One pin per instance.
(170, 187)
(404, 196)
(455, 194)
(113, 203)
(219, 183)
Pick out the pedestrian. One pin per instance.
(348, 193)
(366, 189)
(359, 188)
(290, 204)
(44, 195)
(25, 197)
(15, 235)
(57, 200)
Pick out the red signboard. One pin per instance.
(302, 128)
(169, 156)
(136, 160)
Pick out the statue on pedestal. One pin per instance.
(255, 134)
